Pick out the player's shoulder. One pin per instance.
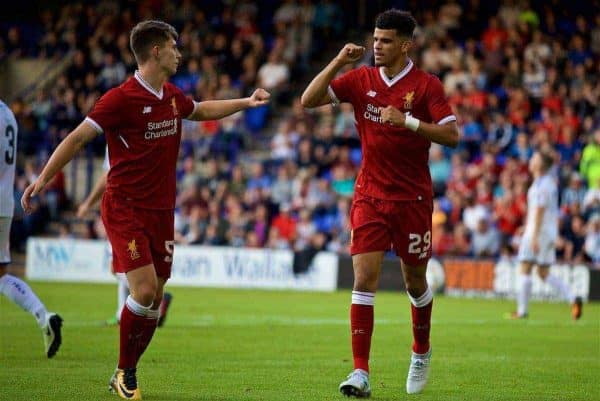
(6, 112)
(426, 77)
(171, 88)
(115, 94)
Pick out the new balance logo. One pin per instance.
(423, 255)
(147, 109)
(371, 93)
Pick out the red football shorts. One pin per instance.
(138, 237)
(381, 225)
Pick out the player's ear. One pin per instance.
(407, 45)
(155, 50)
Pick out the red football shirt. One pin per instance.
(395, 160)
(143, 132)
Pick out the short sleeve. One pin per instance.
(107, 113)
(185, 104)
(544, 195)
(344, 88)
(437, 105)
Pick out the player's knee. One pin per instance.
(415, 284)
(542, 273)
(145, 293)
(365, 282)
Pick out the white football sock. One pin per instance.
(21, 294)
(523, 294)
(122, 294)
(561, 286)
(135, 307)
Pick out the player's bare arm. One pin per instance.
(94, 196)
(316, 94)
(215, 109)
(444, 134)
(65, 151)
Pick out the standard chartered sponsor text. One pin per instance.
(171, 126)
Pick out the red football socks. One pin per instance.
(132, 328)
(421, 320)
(361, 325)
(150, 324)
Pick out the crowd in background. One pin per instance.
(519, 76)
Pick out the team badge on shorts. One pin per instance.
(132, 249)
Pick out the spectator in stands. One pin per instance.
(590, 161)
(485, 240)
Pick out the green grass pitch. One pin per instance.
(272, 345)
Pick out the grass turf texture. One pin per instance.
(262, 345)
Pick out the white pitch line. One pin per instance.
(278, 320)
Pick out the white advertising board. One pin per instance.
(89, 261)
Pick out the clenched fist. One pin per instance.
(392, 116)
(350, 53)
(259, 97)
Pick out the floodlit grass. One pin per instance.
(267, 345)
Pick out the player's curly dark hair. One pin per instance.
(148, 34)
(402, 21)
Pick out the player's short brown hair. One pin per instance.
(547, 160)
(147, 34)
(402, 21)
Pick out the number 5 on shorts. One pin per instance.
(169, 245)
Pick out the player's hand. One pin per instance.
(535, 245)
(259, 97)
(392, 116)
(32, 190)
(83, 209)
(350, 53)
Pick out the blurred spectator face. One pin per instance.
(577, 225)
(482, 226)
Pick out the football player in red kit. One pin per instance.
(399, 110)
(141, 120)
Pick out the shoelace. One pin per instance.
(417, 370)
(362, 378)
(130, 379)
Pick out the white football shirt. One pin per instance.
(543, 193)
(8, 156)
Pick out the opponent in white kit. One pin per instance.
(13, 287)
(538, 245)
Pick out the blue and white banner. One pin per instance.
(201, 266)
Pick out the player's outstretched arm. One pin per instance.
(65, 151)
(215, 109)
(315, 94)
(444, 134)
(94, 196)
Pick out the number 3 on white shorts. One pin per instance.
(169, 245)
(419, 245)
